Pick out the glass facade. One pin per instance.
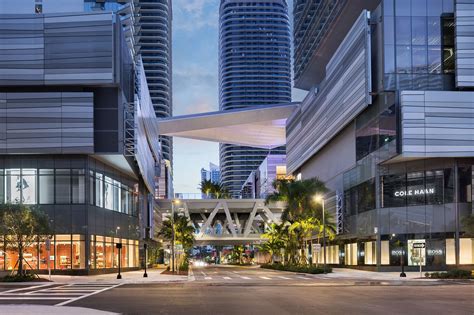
(418, 39)
(68, 251)
(62, 186)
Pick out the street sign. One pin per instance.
(316, 248)
(419, 245)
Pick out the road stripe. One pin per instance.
(304, 278)
(281, 277)
(23, 289)
(87, 295)
(207, 278)
(33, 298)
(266, 278)
(227, 278)
(246, 278)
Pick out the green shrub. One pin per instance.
(450, 274)
(296, 268)
(20, 278)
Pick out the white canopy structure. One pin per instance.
(261, 127)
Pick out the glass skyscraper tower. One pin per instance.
(254, 70)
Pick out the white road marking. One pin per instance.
(88, 295)
(281, 277)
(33, 298)
(207, 278)
(304, 278)
(246, 278)
(227, 278)
(266, 278)
(26, 288)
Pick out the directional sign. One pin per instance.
(418, 245)
(316, 248)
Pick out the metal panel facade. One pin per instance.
(46, 123)
(464, 41)
(342, 95)
(437, 124)
(56, 49)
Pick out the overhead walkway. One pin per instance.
(226, 221)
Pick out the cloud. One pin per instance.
(191, 15)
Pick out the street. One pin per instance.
(250, 290)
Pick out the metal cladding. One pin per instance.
(57, 49)
(437, 124)
(46, 123)
(155, 42)
(342, 95)
(254, 70)
(464, 41)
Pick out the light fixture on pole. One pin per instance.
(320, 199)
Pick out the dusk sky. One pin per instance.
(195, 84)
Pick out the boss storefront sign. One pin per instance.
(414, 192)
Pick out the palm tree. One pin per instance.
(206, 186)
(299, 197)
(302, 229)
(183, 233)
(275, 240)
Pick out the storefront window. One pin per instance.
(131, 254)
(78, 251)
(30, 256)
(63, 252)
(92, 252)
(370, 255)
(417, 188)
(124, 253)
(100, 252)
(466, 251)
(109, 252)
(350, 256)
(44, 256)
(11, 257)
(2, 254)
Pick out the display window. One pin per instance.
(100, 252)
(109, 253)
(78, 251)
(63, 252)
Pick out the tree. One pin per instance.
(275, 240)
(468, 225)
(23, 226)
(206, 186)
(299, 198)
(183, 231)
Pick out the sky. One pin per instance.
(195, 84)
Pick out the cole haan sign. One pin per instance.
(414, 192)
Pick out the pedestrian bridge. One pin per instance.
(226, 221)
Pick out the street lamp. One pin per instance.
(320, 199)
(173, 258)
(119, 247)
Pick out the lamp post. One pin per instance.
(320, 199)
(173, 234)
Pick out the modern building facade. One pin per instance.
(254, 70)
(77, 138)
(213, 174)
(388, 126)
(259, 184)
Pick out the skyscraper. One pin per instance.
(254, 70)
(155, 42)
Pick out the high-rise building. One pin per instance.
(388, 127)
(71, 142)
(155, 48)
(254, 70)
(213, 174)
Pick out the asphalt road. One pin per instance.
(225, 290)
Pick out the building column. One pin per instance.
(456, 213)
(378, 207)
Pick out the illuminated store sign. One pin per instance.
(414, 192)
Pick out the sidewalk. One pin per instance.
(129, 277)
(347, 273)
(50, 310)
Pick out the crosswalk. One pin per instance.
(54, 294)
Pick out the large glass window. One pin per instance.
(46, 186)
(417, 188)
(99, 190)
(63, 252)
(2, 186)
(13, 185)
(63, 186)
(108, 193)
(78, 252)
(78, 186)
